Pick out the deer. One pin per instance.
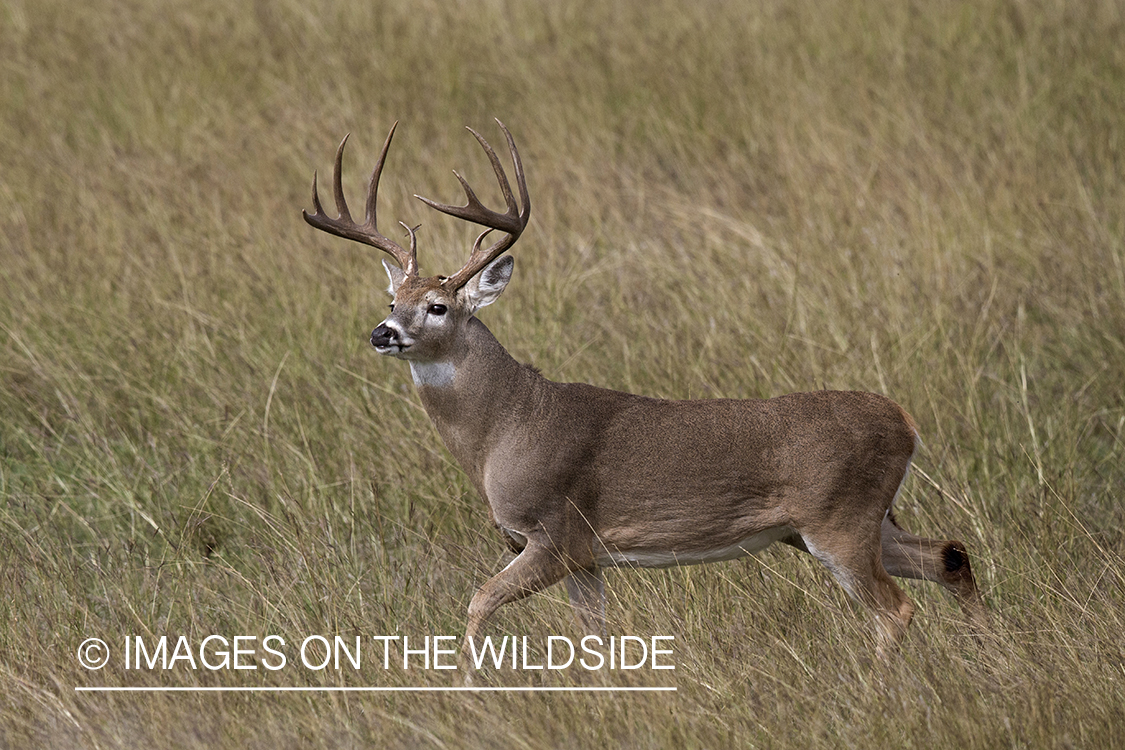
(579, 478)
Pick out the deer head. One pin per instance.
(428, 312)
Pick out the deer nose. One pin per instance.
(384, 335)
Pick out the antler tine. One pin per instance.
(344, 226)
(521, 181)
(512, 222)
(337, 182)
(410, 230)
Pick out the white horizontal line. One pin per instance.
(107, 689)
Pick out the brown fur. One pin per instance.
(574, 468)
(579, 478)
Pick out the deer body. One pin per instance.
(580, 478)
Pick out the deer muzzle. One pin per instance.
(384, 337)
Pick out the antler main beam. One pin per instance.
(367, 233)
(512, 222)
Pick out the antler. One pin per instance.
(512, 222)
(344, 226)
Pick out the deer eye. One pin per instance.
(437, 309)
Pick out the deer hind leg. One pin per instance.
(858, 569)
(587, 598)
(944, 562)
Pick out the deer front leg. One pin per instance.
(534, 569)
(587, 599)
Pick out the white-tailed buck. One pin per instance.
(579, 478)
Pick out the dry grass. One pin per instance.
(735, 199)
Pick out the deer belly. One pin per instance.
(645, 557)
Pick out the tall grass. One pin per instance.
(730, 199)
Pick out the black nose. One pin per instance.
(383, 335)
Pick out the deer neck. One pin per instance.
(473, 394)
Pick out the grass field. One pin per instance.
(923, 199)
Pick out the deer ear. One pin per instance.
(395, 274)
(484, 288)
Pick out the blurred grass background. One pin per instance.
(730, 199)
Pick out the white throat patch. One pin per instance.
(432, 374)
